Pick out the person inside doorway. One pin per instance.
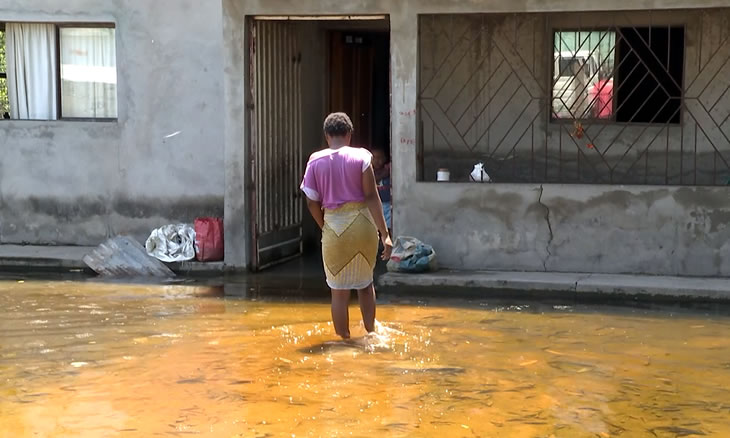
(381, 167)
(342, 196)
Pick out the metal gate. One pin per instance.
(276, 143)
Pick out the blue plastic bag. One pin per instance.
(410, 255)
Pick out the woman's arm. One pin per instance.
(372, 200)
(315, 209)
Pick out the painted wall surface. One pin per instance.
(66, 182)
(584, 228)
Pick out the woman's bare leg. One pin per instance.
(366, 297)
(340, 314)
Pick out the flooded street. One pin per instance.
(81, 359)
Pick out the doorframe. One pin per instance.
(249, 145)
(239, 232)
(292, 215)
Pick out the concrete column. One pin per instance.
(236, 208)
(404, 65)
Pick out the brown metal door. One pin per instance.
(352, 68)
(276, 143)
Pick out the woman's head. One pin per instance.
(338, 129)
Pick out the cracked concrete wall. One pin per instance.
(67, 182)
(656, 230)
(573, 228)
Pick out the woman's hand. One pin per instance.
(387, 246)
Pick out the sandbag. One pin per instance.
(209, 239)
(172, 243)
(410, 255)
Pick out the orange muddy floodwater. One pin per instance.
(103, 360)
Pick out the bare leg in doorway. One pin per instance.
(366, 297)
(340, 313)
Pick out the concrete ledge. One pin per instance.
(197, 268)
(678, 287)
(20, 258)
(558, 285)
(65, 258)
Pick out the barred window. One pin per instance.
(626, 74)
(627, 97)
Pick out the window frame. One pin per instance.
(612, 26)
(59, 95)
(3, 74)
(59, 91)
(557, 120)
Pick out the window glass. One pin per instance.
(585, 64)
(88, 73)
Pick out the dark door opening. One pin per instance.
(359, 63)
(300, 70)
(357, 82)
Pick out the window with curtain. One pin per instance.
(88, 73)
(52, 72)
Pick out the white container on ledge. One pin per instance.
(443, 175)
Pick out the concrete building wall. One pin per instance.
(585, 228)
(67, 182)
(485, 96)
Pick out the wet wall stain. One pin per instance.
(185, 208)
(80, 208)
(662, 230)
(88, 221)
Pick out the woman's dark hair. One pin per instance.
(338, 125)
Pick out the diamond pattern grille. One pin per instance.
(490, 90)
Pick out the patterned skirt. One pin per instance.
(349, 246)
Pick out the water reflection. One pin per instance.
(79, 359)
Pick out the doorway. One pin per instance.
(359, 67)
(301, 69)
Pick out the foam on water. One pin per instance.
(382, 339)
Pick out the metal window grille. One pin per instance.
(598, 98)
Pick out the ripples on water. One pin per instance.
(82, 359)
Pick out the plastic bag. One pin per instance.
(479, 174)
(209, 239)
(172, 243)
(412, 256)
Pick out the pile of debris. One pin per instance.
(124, 256)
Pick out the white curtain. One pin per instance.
(32, 65)
(88, 73)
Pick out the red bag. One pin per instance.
(209, 239)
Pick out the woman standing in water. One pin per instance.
(342, 197)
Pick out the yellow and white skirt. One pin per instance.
(349, 246)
